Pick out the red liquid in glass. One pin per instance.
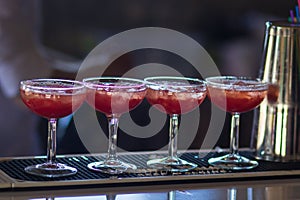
(273, 93)
(236, 100)
(52, 105)
(175, 102)
(114, 101)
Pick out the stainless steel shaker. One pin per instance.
(275, 134)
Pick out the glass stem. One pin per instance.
(51, 141)
(234, 133)
(173, 131)
(111, 197)
(113, 124)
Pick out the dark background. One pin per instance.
(231, 31)
(76, 26)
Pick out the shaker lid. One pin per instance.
(283, 23)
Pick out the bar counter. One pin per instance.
(270, 180)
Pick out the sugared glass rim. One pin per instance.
(256, 82)
(147, 80)
(139, 82)
(74, 85)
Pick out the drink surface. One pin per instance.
(115, 98)
(237, 96)
(52, 103)
(176, 97)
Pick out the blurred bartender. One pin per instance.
(21, 57)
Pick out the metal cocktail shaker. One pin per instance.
(275, 134)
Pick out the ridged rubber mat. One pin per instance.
(15, 168)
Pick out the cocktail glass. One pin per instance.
(235, 95)
(52, 99)
(174, 96)
(114, 96)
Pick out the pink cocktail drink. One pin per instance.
(179, 102)
(53, 105)
(113, 96)
(52, 99)
(238, 98)
(235, 95)
(113, 100)
(174, 96)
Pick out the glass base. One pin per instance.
(232, 161)
(51, 170)
(112, 167)
(173, 164)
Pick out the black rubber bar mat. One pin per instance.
(14, 168)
